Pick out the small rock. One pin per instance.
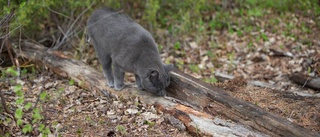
(111, 114)
(131, 111)
(149, 116)
(19, 81)
(210, 65)
(272, 40)
(201, 66)
(48, 85)
(153, 110)
(267, 44)
(193, 45)
(38, 80)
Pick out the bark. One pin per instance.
(202, 108)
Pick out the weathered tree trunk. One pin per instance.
(203, 109)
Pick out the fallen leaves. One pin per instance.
(70, 110)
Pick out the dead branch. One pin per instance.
(306, 81)
(222, 77)
(211, 111)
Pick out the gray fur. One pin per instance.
(122, 46)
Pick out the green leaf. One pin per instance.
(22, 4)
(41, 127)
(177, 45)
(36, 115)
(43, 96)
(264, 37)
(17, 88)
(8, 120)
(27, 128)
(19, 122)
(71, 82)
(46, 131)
(28, 106)
(19, 93)
(6, 10)
(3, 74)
(18, 113)
(36, 110)
(24, 71)
(33, 70)
(12, 71)
(20, 101)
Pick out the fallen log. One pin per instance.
(306, 81)
(202, 108)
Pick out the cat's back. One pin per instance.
(113, 25)
(118, 33)
(109, 17)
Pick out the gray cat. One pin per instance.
(122, 46)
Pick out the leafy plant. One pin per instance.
(151, 9)
(264, 37)
(150, 123)
(194, 68)
(160, 47)
(177, 45)
(211, 80)
(71, 82)
(231, 57)
(255, 12)
(27, 128)
(23, 107)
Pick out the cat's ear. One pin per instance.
(168, 67)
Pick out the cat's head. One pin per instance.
(156, 80)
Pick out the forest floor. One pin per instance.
(282, 46)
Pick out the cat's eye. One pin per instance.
(154, 73)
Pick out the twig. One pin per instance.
(57, 12)
(4, 36)
(222, 77)
(68, 32)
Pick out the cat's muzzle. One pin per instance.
(161, 92)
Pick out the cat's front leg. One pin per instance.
(118, 75)
(138, 82)
(107, 71)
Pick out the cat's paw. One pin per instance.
(140, 87)
(119, 87)
(110, 84)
